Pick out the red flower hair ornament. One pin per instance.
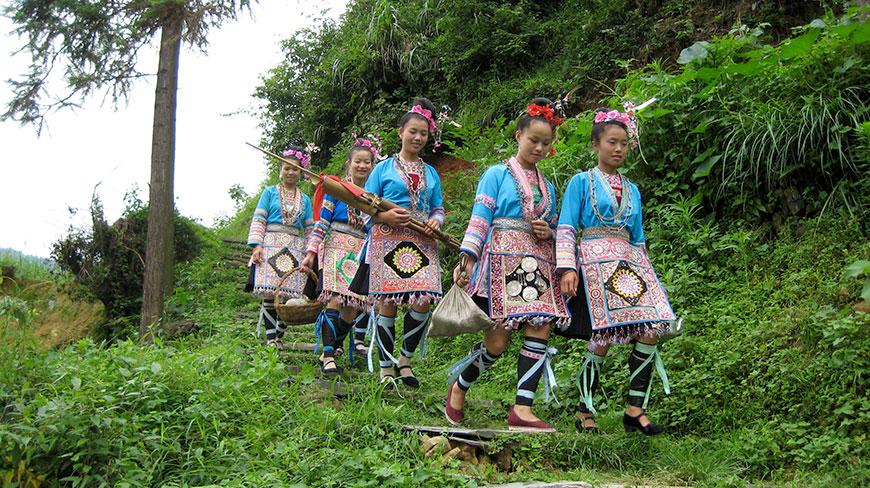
(546, 112)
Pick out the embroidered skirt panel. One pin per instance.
(282, 252)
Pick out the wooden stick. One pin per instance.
(366, 202)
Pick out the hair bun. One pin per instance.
(424, 102)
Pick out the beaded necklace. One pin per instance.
(526, 192)
(405, 168)
(291, 204)
(623, 209)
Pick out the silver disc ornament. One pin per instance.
(530, 294)
(513, 288)
(529, 264)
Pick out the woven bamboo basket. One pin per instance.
(297, 311)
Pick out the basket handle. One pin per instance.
(287, 275)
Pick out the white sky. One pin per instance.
(42, 178)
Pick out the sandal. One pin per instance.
(327, 370)
(410, 381)
(580, 424)
(360, 348)
(279, 344)
(272, 343)
(388, 381)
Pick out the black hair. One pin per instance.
(424, 103)
(293, 148)
(358, 146)
(526, 120)
(598, 129)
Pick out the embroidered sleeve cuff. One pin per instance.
(475, 235)
(316, 236)
(257, 231)
(566, 247)
(437, 213)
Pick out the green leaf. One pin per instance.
(709, 74)
(747, 69)
(76, 383)
(705, 167)
(660, 112)
(697, 50)
(845, 29)
(861, 34)
(700, 129)
(156, 367)
(124, 372)
(858, 268)
(800, 45)
(706, 154)
(846, 409)
(865, 293)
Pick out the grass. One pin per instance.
(211, 408)
(26, 266)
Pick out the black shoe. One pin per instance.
(632, 424)
(590, 429)
(409, 381)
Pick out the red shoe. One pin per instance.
(453, 415)
(517, 424)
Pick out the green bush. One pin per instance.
(746, 127)
(482, 57)
(109, 260)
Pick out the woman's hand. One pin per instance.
(569, 282)
(398, 217)
(542, 229)
(469, 269)
(257, 254)
(308, 262)
(430, 225)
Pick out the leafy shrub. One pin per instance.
(109, 260)
(749, 127)
(482, 57)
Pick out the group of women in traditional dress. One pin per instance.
(582, 271)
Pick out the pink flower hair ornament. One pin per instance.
(370, 141)
(367, 143)
(301, 156)
(427, 114)
(629, 118)
(626, 118)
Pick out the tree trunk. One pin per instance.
(159, 255)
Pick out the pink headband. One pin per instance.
(416, 109)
